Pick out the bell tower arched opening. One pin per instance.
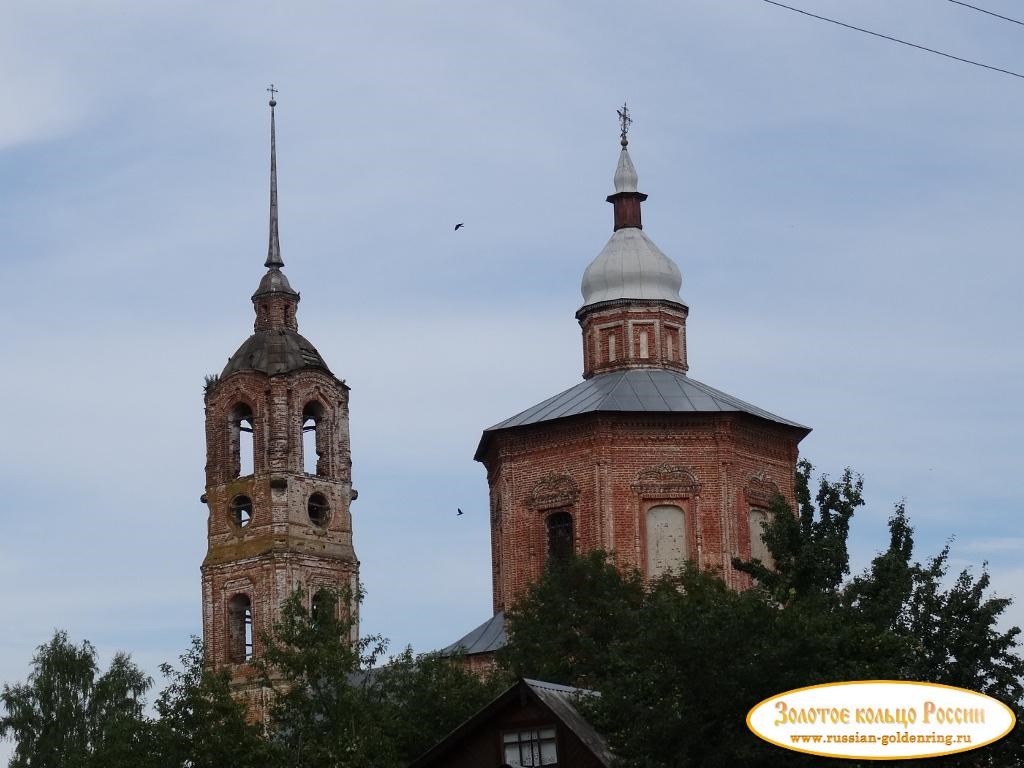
(240, 633)
(241, 441)
(314, 439)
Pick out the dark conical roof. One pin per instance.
(273, 352)
(274, 282)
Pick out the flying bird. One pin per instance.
(460, 224)
(459, 512)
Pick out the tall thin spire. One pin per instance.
(274, 314)
(274, 247)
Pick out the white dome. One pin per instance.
(631, 266)
(625, 173)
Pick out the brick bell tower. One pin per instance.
(278, 477)
(638, 459)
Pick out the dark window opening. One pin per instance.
(314, 440)
(319, 510)
(241, 511)
(322, 606)
(240, 634)
(560, 537)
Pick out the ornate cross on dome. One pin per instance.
(624, 122)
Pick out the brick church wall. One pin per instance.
(607, 470)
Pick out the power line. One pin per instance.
(896, 40)
(990, 13)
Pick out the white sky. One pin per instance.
(845, 213)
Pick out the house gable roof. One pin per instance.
(559, 700)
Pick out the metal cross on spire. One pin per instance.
(624, 122)
(273, 92)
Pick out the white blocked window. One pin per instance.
(644, 352)
(611, 348)
(666, 540)
(758, 520)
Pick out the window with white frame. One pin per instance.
(530, 747)
(758, 548)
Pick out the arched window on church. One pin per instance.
(240, 633)
(314, 438)
(560, 537)
(666, 540)
(243, 454)
(758, 549)
(322, 606)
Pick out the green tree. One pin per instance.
(200, 725)
(681, 661)
(70, 715)
(688, 661)
(334, 709)
(321, 715)
(809, 547)
(424, 697)
(568, 630)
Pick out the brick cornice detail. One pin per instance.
(635, 305)
(666, 480)
(760, 490)
(552, 491)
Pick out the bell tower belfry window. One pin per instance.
(277, 519)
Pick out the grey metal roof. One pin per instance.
(274, 352)
(635, 390)
(487, 638)
(562, 699)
